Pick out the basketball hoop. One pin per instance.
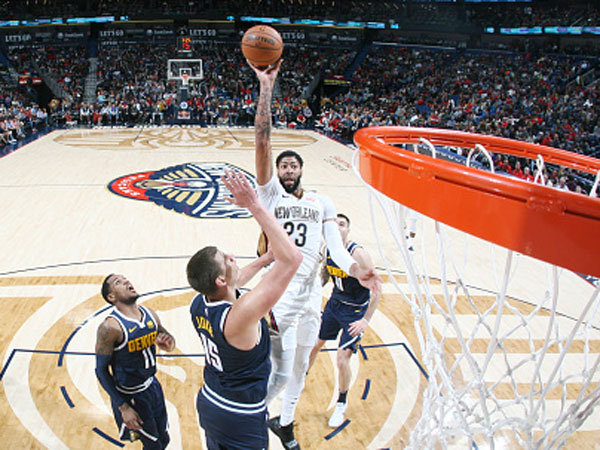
(526, 217)
(502, 369)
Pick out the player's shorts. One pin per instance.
(338, 316)
(229, 430)
(150, 406)
(297, 313)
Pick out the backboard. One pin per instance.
(178, 69)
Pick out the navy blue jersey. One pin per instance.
(346, 289)
(233, 379)
(134, 360)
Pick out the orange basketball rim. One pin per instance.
(556, 226)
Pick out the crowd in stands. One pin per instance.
(526, 97)
(67, 65)
(530, 97)
(19, 118)
(133, 87)
(533, 15)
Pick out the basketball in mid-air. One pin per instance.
(262, 45)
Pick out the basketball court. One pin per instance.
(80, 204)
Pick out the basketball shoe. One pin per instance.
(337, 418)
(285, 434)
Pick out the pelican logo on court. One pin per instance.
(194, 189)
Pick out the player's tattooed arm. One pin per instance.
(263, 122)
(107, 336)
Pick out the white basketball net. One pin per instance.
(502, 373)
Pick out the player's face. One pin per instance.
(344, 227)
(231, 269)
(289, 173)
(122, 290)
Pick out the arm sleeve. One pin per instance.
(336, 247)
(106, 380)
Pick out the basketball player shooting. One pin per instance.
(308, 217)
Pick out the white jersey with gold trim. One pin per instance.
(302, 218)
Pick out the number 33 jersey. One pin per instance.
(302, 219)
(233, 379)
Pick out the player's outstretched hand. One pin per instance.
(165, 342)
(242, 192)
(369, 279)
(269, 74)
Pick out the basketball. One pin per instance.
(262, 45)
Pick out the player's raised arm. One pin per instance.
(251, 269)
(240, 327)
(364, 260)
(262, 122)
(368, 278)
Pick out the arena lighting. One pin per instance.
(563, 30)
(522, 30)
(308, 22)
(322, 23)
(99, 19)
(260, 19)
(56, 21)
(61, 21)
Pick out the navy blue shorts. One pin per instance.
(338, 316)
(232, 431)
(150, 406)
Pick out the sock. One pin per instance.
(342, 397)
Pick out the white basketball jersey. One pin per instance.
(302, 218)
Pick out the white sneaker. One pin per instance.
(337, 418)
